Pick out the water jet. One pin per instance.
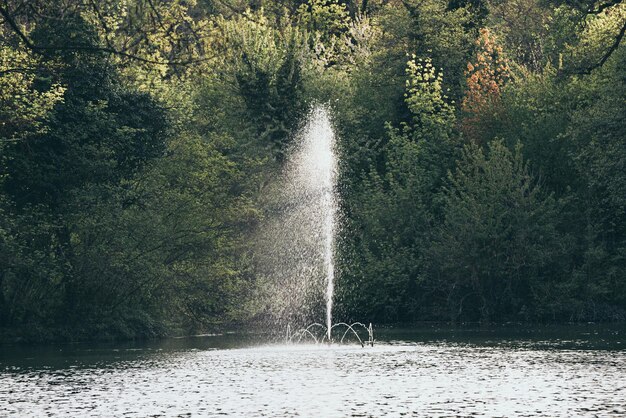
(299, 240)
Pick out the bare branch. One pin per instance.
(602, 7)
(15, 28)
(103, 22)
(607, 54)
(615, 45)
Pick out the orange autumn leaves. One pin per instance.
(485, 79)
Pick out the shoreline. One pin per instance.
(54, 336)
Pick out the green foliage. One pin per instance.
(391, 208)
(24, 106)
(123, 215)
(494, 250)
(137, 140)
(327, 17)
(601, 34)
(266, 65)
(535, 111)
(598, 133)
(444, 35)
(433, 117)
(524, 26)
(487, 243)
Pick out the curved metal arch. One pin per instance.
(301, 333)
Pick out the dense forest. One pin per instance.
(482, 158)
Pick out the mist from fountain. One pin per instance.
(296, 251)
(296, 254)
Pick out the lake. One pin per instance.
(426, 371)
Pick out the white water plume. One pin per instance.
(298, 239)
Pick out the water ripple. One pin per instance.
(400, 379)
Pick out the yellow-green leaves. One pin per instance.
(601, 37)
(425, 98)
(327, 17)
(23, 108)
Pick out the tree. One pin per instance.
(494, 250)
(598, 152)
(444, 35)
(267, 69)
(603, 31)
(392, 210)
(64, 166)
(168, 32)
(485, 79)
(25, 104)
(327, 17)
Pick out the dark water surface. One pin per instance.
(549, 372)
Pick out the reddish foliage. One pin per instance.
(485, 79)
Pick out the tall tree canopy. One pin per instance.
(481, 145)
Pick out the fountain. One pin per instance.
(297, 246)
(307, 332)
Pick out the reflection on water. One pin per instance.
(427, 372)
